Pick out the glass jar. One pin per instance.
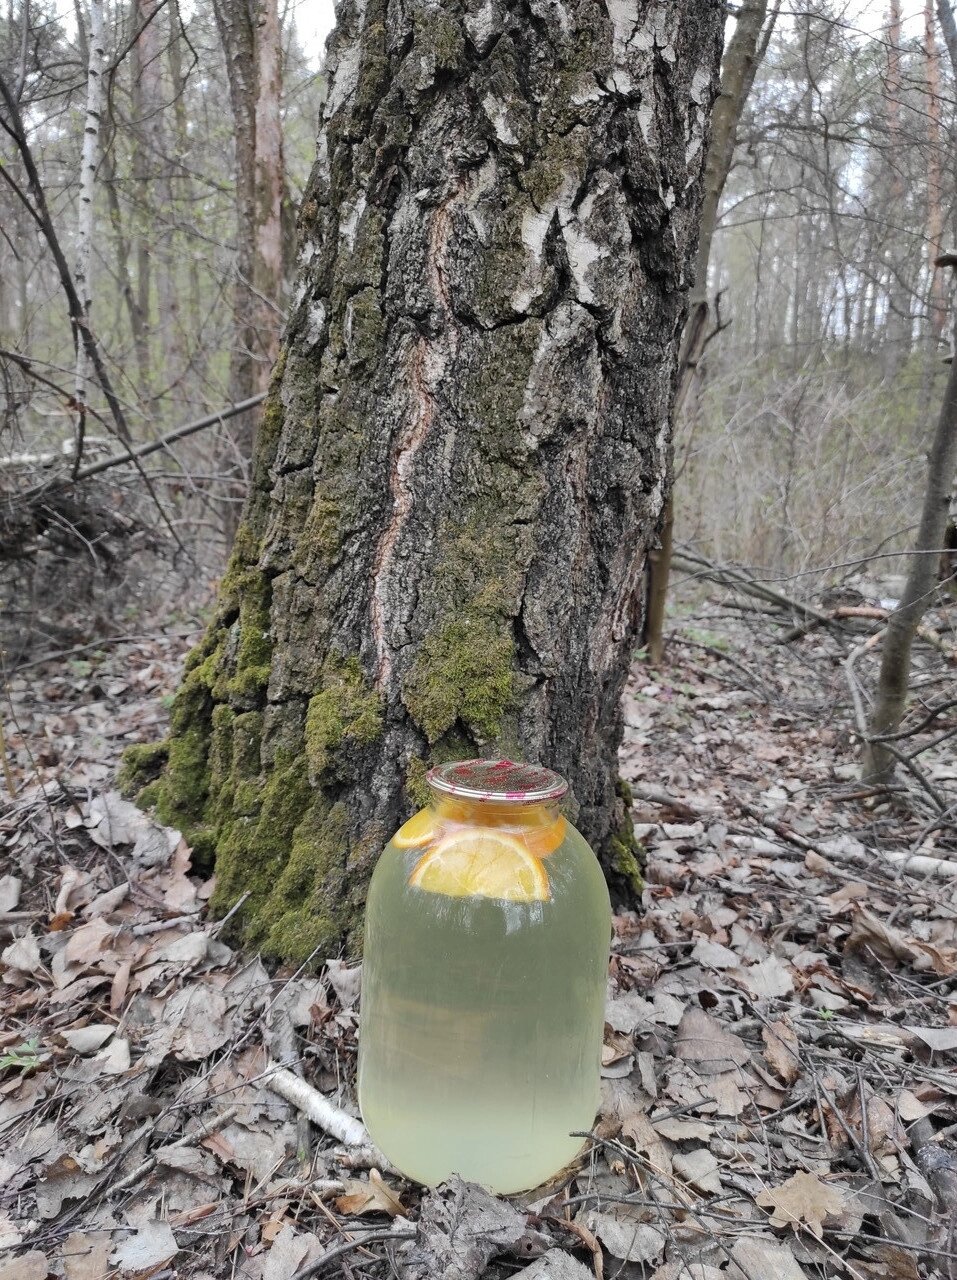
(483, 983)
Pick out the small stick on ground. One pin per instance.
(330, 1118)
(339, 1250)
(188, 1140)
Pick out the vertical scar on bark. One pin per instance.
(426, 367)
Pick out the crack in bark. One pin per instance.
(430, 359)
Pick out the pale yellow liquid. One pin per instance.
(481, 1022)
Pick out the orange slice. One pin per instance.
(420, 829)
(541, 841)
(482, 864)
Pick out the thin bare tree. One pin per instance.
(937, 293)
(250, 36)
(880, 756)
(742, 57)
(86, 208)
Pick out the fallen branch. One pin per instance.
(188, 1140)
(340, 1250)
(729, 576)
(330, 1118)
(362, 1158)
(903, 863)
(134, 454)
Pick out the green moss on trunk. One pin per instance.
(626, 855)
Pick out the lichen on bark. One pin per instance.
(465, 449)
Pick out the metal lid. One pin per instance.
(505, 781)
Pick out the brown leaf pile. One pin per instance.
(780, 1036)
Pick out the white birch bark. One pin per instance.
(89, 161)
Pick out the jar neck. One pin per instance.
(491, 812)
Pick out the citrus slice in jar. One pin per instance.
(421, 828)
(541, 841)
(482, 864)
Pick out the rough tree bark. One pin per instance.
(465, 450)
(894, 680)
(747, 45)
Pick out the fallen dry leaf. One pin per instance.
(703, 1041)
(107, 902)
(782, 1050)
(114, 1060)
(755, 1257)
(712, 955)
(700, 1168)
(680, 1130)
(87, 944)
(114, 821)
(647, 1141)
(29, 1266)
(869, 932)
(63, 1179)
(9, 893)
(85, 1255)
(937, 1039)
(769, 979)
(894, 1264)
(461, 1227)
(346, 981)
(73, 886)
(556, 1265)
(688, 1271)
(374, 1196)
(290, 1251)
(197, 1017)
(625, 1234)
(89, 1039)
(10, 1233)
(150, 1246)
(23, 954)
(804, 1198)
(910, 1107)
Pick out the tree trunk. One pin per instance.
(738, 70)
(948, 25)
(896, 347)
(879, 760)
(89, 161)
(937, 296)
(121, 253)
(465, 451)
(268, 263)
(183, 185)
(154, 97)
(250, 36)
(140, 219)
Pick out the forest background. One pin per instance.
(800, 449)
(795, 918)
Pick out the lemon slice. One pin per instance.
(541, 841)
(482, 864)
(420, 829)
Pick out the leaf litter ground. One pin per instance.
(779, 1097)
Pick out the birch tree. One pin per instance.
(86, 209)
(465, 451)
